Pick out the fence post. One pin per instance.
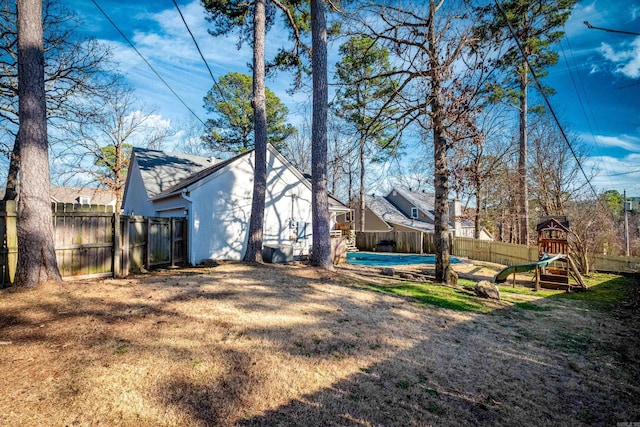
(147, 245)
(117, 269)
(125, 246)
(172, 242)
(10, 240)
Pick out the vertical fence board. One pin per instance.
(93, 241)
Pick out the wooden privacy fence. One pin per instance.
(406, 241)
(490, 251)
(484, 250)
(93, 241)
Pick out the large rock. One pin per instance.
(486, 289)
(388, 271)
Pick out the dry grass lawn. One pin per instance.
(289, 345)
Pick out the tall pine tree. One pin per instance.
(36, 255)
(364, 76)
(533, 26)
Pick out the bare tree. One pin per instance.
(436, 86)
(477, 159)
(71, 65)
(99, 144)
(555, 176)
(593, 230)
(36, 255)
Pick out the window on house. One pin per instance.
(349, 216)
(414, 212)
(85, 200)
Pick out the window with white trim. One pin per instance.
(414, 212)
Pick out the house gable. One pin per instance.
(221, 209)
(408, 201)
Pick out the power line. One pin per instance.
(215, 82)
(588, 118)
(608, 30)
(195, 42)
(544, 96)
(146, 61)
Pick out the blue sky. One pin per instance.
(597, 78)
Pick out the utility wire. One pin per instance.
(544, 96)
(146, 61)
(195, 42)
(608, 30)
(216, 85)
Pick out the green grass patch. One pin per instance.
(572, 342)
(436, 295)
(604, 291)
(526, 305)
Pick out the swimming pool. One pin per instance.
(386, 259)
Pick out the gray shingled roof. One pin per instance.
(97, 196)
(201, 173)
(391, 215)
(421, 200)
(197, 176)
(161, 170)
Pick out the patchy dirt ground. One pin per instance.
(290, 345)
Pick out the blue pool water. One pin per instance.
(386, 259)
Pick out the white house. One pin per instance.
(215, 196)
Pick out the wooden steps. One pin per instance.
(555, 285)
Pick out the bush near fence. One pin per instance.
(483, 250)
(93, 241)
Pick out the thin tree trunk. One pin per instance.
(441, 174)
(321, 256)
(254, 244)
(476, 219)
(522, 159)
(362, 192)
(36, 255)
(11, 189)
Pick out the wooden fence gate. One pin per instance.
(93, 241)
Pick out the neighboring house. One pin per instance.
(405, 210)
(83, 196)
(215, 196)
(80, 196)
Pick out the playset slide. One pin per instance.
(519, 268)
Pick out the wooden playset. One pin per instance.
(562, 273)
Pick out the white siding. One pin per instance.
(136, 201)
(221, 209)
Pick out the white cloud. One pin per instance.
(626, 59)
(616, 173)
(626, 142)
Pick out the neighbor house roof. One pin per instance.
(162, 170)
(391, 215)
(97, 196)
(420, 199)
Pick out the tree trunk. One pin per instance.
(321, 256)
(11, 189)
(441, 174)
(476, 219)
(522, 159)
(256, 224)
(362, 192)
(36, 255)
